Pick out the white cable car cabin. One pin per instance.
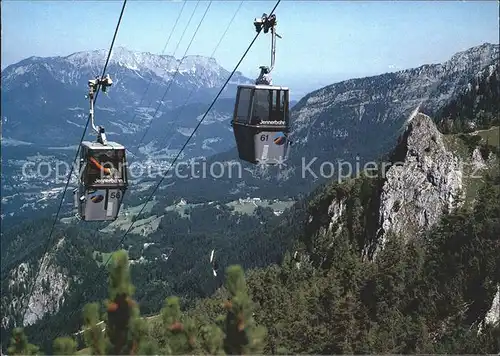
(103, 176)
(103, 181)
(261, 119)
(261, 123)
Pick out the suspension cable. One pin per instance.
(211, 55)
(187, 141)
(178, 67)
(192, 134)
(30, 294)
(176, 71)
(168, 63)
(183, 106)
(173, 77)
(162, 52)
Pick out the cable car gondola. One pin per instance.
(261, 120)
(102, 171)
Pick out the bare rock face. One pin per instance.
(48, 294)
(336, 210)
(493, 315)
(424, 181)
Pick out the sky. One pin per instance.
(322, 41)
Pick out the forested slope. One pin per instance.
(431, 292)
(405, 261)
(426, 296)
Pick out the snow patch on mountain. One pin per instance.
(162, 66)
(206, 142)
(74, 123)
(185, 131)
(13, 142)
(213, 117)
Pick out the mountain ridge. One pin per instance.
(374, 108)
(192, 230)
(124, 57)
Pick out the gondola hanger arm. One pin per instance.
(94, 85)
(267, 23)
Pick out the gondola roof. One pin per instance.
(263, 87)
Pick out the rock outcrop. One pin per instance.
(47, 295)
(493, 315)
(424, 181)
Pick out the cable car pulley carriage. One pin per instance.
(102, 170)
(261, 120)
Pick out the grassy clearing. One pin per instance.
(105, 256)
(456, 145)
(248, 206)
(125, 218)
(490, 136)
(146, 226)
(182, 209)
(69, 220)
(473, 178)
(244, 206)
(86, 351)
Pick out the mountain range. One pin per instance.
(354, 121)
(46, 96)
(384, 117)
(153, 105)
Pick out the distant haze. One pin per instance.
(323, 41)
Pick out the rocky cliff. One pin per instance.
(363, 116)
(423, 182)
(356, 120)
(426, 176)
(50, 287)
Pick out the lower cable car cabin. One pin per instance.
(261, 123)
(102, 181)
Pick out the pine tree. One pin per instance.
(94, 338)
(180, 331)
(212, 339)
(341, 304)
(64, 346)
(123, 328)
(19, 344)
(242, 336)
